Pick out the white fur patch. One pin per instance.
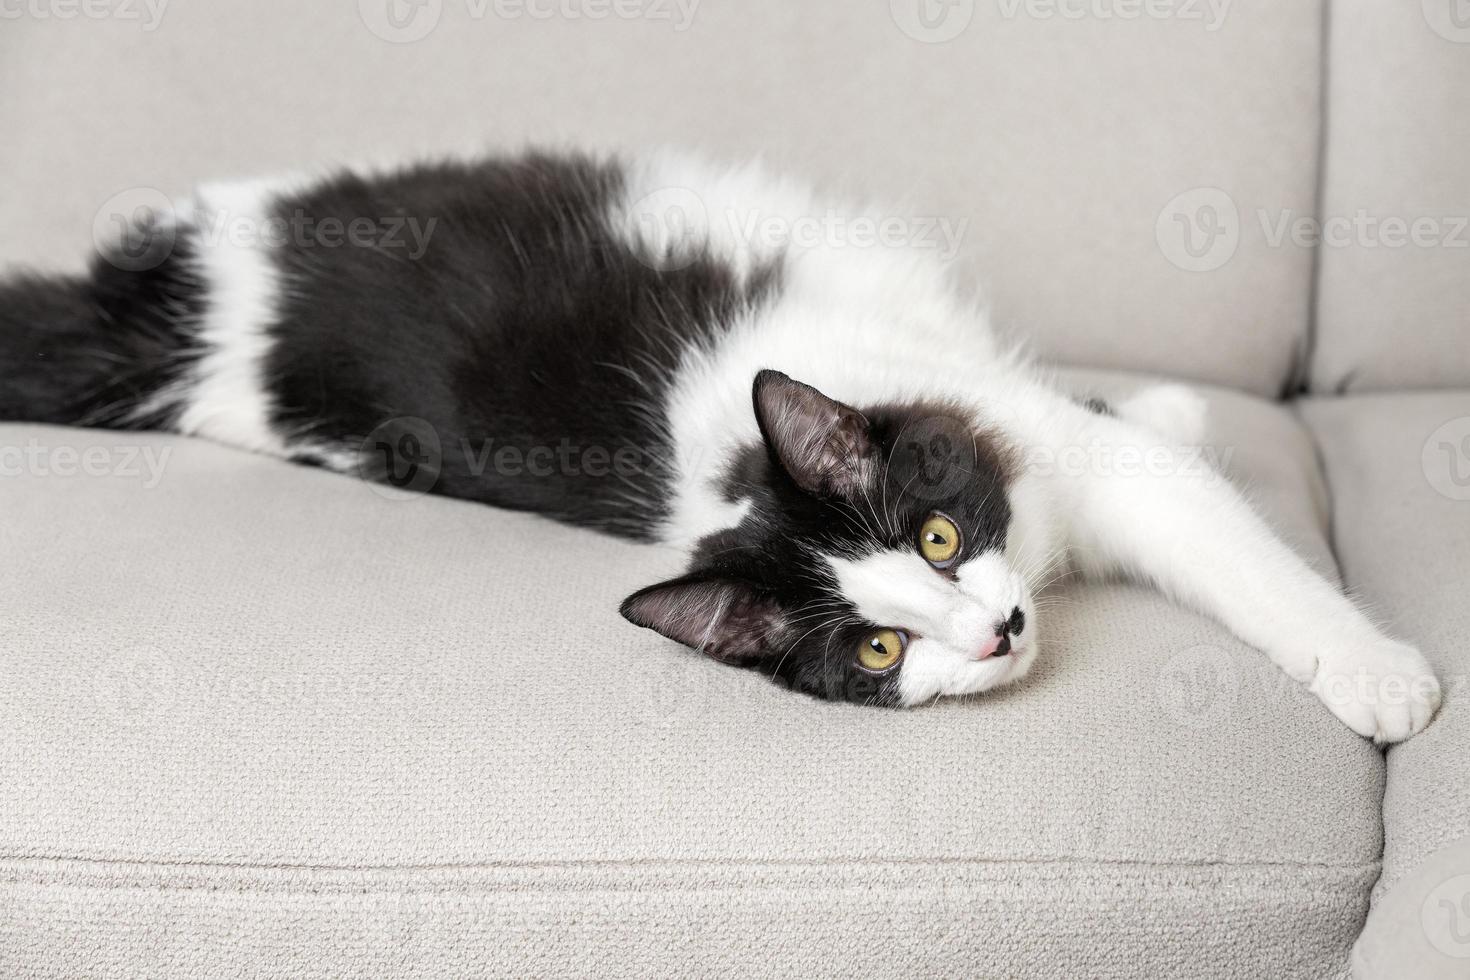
(227, 399)
(900, 590)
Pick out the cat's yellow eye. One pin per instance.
(939, 541)
(881, 650)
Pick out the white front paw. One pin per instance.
(1385, 691)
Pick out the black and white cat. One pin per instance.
(856, 469)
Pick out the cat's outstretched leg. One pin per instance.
(1178, 524)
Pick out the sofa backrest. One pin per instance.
(1113, 161)
(1393, 305)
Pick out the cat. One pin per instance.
(867, 484)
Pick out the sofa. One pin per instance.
(260, 720)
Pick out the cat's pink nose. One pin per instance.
(1000, 644)
(995, 646)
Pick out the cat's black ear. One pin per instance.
(728, 620)
(826, 447)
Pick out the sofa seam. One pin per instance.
(1346, 882)
(681, 863)
(1302, 380)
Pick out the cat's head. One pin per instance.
(871, 564)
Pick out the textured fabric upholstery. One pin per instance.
(1400, 473)
(1394, 302)
(1067, 145)
(1421, 927)
(259, 720)
(259, 714)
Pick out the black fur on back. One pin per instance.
(525, 327)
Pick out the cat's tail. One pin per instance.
(99, 349)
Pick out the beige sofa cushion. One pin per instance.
(1421, 927)
(1393, 306)
(1399, 467)
(1066, 149)
(258, 718)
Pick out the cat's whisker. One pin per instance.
(777, 669)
